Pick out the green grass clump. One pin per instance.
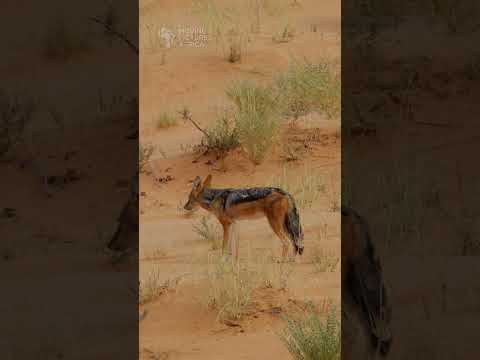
(254, 116)
(308, 87)
(166, 120)
(222, 136)
(310, 338)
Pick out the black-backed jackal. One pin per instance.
(230, 205)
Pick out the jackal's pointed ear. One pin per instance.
(208, 182)
(196, 182)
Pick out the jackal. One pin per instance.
(230, 205)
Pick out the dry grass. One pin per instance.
(306, 188)
(271, 273)
(228, 24)
(308, 337)
(209, 231)
(151, 286)
(145, 152)
(285, 34)
(166, 120)
(151, 254)
(231, 284)
(325, 261)
(229, 288)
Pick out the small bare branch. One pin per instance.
(114, 32)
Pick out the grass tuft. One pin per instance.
(254, 117)
(309, 337)
(286, 34)
(306, 188)
(166, 120)
(151, 286)
(145, 153)
(308, 87)
(209, 232)
(231, 284)
(222, 136)
(325, 262)
(230, 289)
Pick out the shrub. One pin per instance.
(310, 338)
(222, 136)
(166, 120)
(254, 118)
(308, 87)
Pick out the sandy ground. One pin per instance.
(178, 325)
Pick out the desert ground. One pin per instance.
(178, 322)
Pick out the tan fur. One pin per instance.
(274, 207)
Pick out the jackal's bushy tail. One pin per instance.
(293, 226)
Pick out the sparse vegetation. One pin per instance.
(231, 284)
(286, 34)
(145, 153)
(273, 274)
(235, 53)
(308, 87)
(209, 232)
(166, 120)
(151, 254)
(325, 262)
(151, 286)
(223, 136)
(306, 188)
(310, 338)
(228, 24)
(254, 118)
(230, 288)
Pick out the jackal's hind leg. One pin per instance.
(226, 236)
(234, 243)
(276, 223)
